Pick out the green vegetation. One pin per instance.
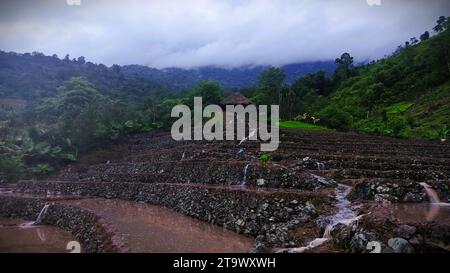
(301, 125)
(264, 158)
(404, 95)
(52, 110)
(398, 108)
(56, 130)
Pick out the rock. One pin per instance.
(412, 198)
(341, 235)
(416, 240)
(362, 191)
(265, 206)
(383, 189)
(261, 182)
(385, 198)
(405, 231)
(289, 210)
(359, 241)
(320, 181)
(252, 202)
(259, 247)
(260, 238)
(310, 209)
(400, 245)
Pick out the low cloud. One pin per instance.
(180, 33)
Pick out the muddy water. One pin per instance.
(147, 228)
(18, 236)
(422, 212)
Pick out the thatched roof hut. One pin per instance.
(235, 99)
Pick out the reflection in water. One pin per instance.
(148, 228)
(418, 213)
(422, 212)
(32, 239)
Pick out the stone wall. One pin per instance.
(398, 191)
(204, 172)
(266, 215)
(393, 236)
(83, 225)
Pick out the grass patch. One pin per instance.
(290, 124)
(398, 108)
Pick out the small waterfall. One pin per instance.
(244, 180)
(183, 155)
(41, 215)
(320, 166)
(432, 195)
(345, 215)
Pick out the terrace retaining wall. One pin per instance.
(266, 215)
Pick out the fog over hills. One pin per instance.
(34, 75)
(198, 33)
(240, 77)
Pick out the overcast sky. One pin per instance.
(190, 33)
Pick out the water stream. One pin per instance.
(344, 215)
(244, 179)
(42, 214)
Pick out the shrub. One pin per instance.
(397, 127)
(336, 118)
(41, 169)
(265, 158)
(11, 168)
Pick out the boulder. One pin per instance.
(360, 239)
(400, 245)
(405, 231)
(412, 198)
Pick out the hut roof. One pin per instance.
(235, 99)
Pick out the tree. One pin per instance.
(409, 53)
(116, 68)
(270, 83)
(151, 106)
(425, 36)
(442, 24)
(210, 91)
(438, 53)
(344, 67)
(76, 113)
(81, 60)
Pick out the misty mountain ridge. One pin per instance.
(34, 75)
(230, 78)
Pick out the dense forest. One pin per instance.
(53, 110)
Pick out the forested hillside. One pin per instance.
(404, 95)
(32, 76)
(232, 78)
(407, 94)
